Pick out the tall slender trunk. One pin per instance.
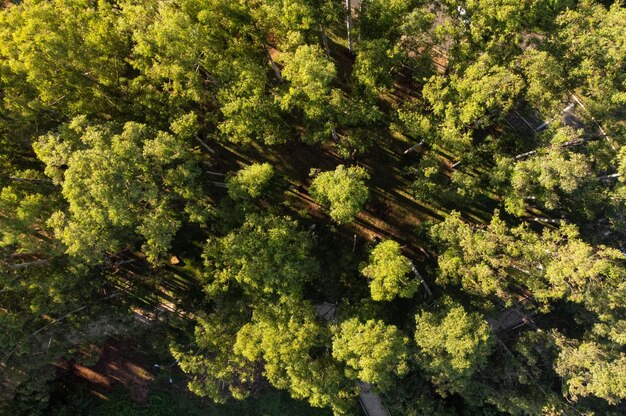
(275, 67)
(25, 265)
(325, 40)
(16, 179)
(206, 146)
(349, 23)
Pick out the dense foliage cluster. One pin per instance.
(425, 199)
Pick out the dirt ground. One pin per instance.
(119, 365)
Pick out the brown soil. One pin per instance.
(119, 365)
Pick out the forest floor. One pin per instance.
(124, 380)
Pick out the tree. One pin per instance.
(343, 191)
(291, 23)
(112, 178)
(453, 345)
(547, 177)
(64, 58)
(215, 370)
(388, 270)
(595, 56)
(588, 369)
(284, 337)
(476, 97)
(373, 351)
(251, 182)
(310, 73)
(545, 85)
(266, 255)
(555, 264)
(250, 113)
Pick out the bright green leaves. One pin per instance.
(119, 186)
(284, 337)
(588, 369)
(223, 374)
(476, 97)
(66, 55)
(249, 112)
(387, 269)
(342, 191)
(480, 95)
(547, 177)
(266, 255)
(553, 265)
(251, 182)
(373, 351)
(595, 51)
(310, 73)
(545, 88)
(453, 345)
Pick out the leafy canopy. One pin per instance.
(343, 191)
(388, 269)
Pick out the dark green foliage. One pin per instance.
(168, 164)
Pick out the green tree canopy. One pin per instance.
(343, 191)
(453, 345)
(251, 181)
(310, 73)
(373, 351)
(266, 255)
(555, 264)
(112, 178)
(388, 269)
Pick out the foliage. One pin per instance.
(343, 191)
(373, 351)
(251, 181)
(553, 265)
(453, 345)
(111, 178)
(387, 270)
(117, 117)
(266, 255)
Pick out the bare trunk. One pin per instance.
(220, 184)
(349, 23)
(547, 220)
(422, 281)
(16, 179)
(334, 133)
(28, 264)
(325, 40)
(614, 175)
(522, 155)
(412, 148)
(275, 67)
(206, 146)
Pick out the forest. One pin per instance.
(313, 207)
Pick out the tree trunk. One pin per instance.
(275, 67)
(25, 265)
(206, 146)
(16, 179)
(614, 175)
(349, 23)
(412, 148)
(422, 281)
(325, 40)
